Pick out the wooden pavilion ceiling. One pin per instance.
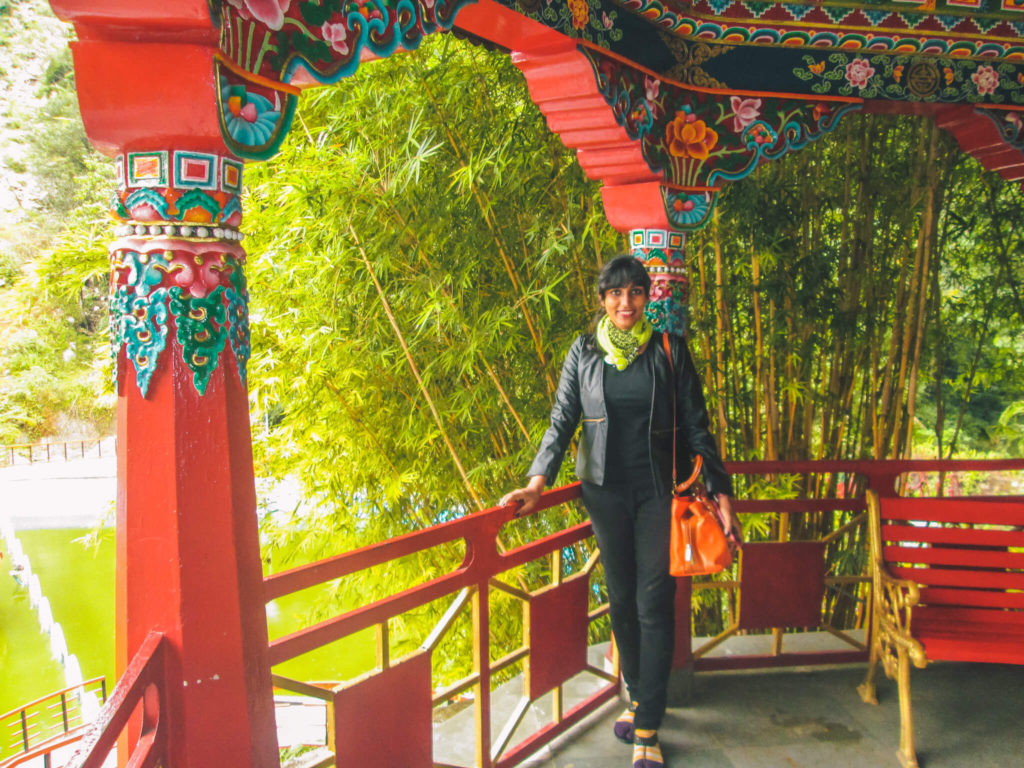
(780, 46)
(684, 95)
(904, 56)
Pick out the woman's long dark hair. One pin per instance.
(621, 271)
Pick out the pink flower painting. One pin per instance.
(651, 87)
(986, 80)
(858, 72)
(336, 36)
(745, 111)
(269, 12)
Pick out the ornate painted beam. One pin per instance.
(664, 102)
(911, 53)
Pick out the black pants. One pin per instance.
(631, 524)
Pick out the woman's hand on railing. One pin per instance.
(730, 521)
(527, 496)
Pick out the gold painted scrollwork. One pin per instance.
(690, 58)
(894, 603)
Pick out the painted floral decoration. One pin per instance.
(652, 86)
(684, 208)
(986, 80)
(745, 111)
(580, 13)
(367, 8)
(759, 133)
(336, 35)
(249, 117)
(688, 137)
(858, 72)
(269, 12)
(820, 110)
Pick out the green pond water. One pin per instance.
(78, 580)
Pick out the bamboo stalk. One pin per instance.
(484, 204)
(721, 311)
(929, 235)
(416, 373)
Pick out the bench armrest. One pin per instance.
(894, 598)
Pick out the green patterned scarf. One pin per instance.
(622, 347)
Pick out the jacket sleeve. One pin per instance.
(694, 422)
(565, 417)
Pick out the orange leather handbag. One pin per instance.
(698, 545)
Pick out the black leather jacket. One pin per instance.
(581, 395)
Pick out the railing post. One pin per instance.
(482, 667)
(24, 729)
(64, 710)
(558, 694)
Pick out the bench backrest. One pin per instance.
(966, 552)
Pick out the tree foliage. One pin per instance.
(423, 252)
(53, 348)
(842, 295)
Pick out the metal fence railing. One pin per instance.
(64, 450)
(36, 728)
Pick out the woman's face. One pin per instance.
(625, 305)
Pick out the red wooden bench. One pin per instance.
(948, 584)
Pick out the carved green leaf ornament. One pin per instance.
(143, 306)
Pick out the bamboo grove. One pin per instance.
(424, 252)
(850, 301)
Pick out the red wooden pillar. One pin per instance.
(653, 217)
(188, 562)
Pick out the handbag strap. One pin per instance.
(699, 461)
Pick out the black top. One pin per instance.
(580, 399)
(627, 396)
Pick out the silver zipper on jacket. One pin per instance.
(650, 422)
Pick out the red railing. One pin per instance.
(399, 696)
(41, 727)
(483, 562)
(143, 683)
(68, 449)
(555, 614)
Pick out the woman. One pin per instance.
(617, 380)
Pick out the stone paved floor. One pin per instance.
(966, 716)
